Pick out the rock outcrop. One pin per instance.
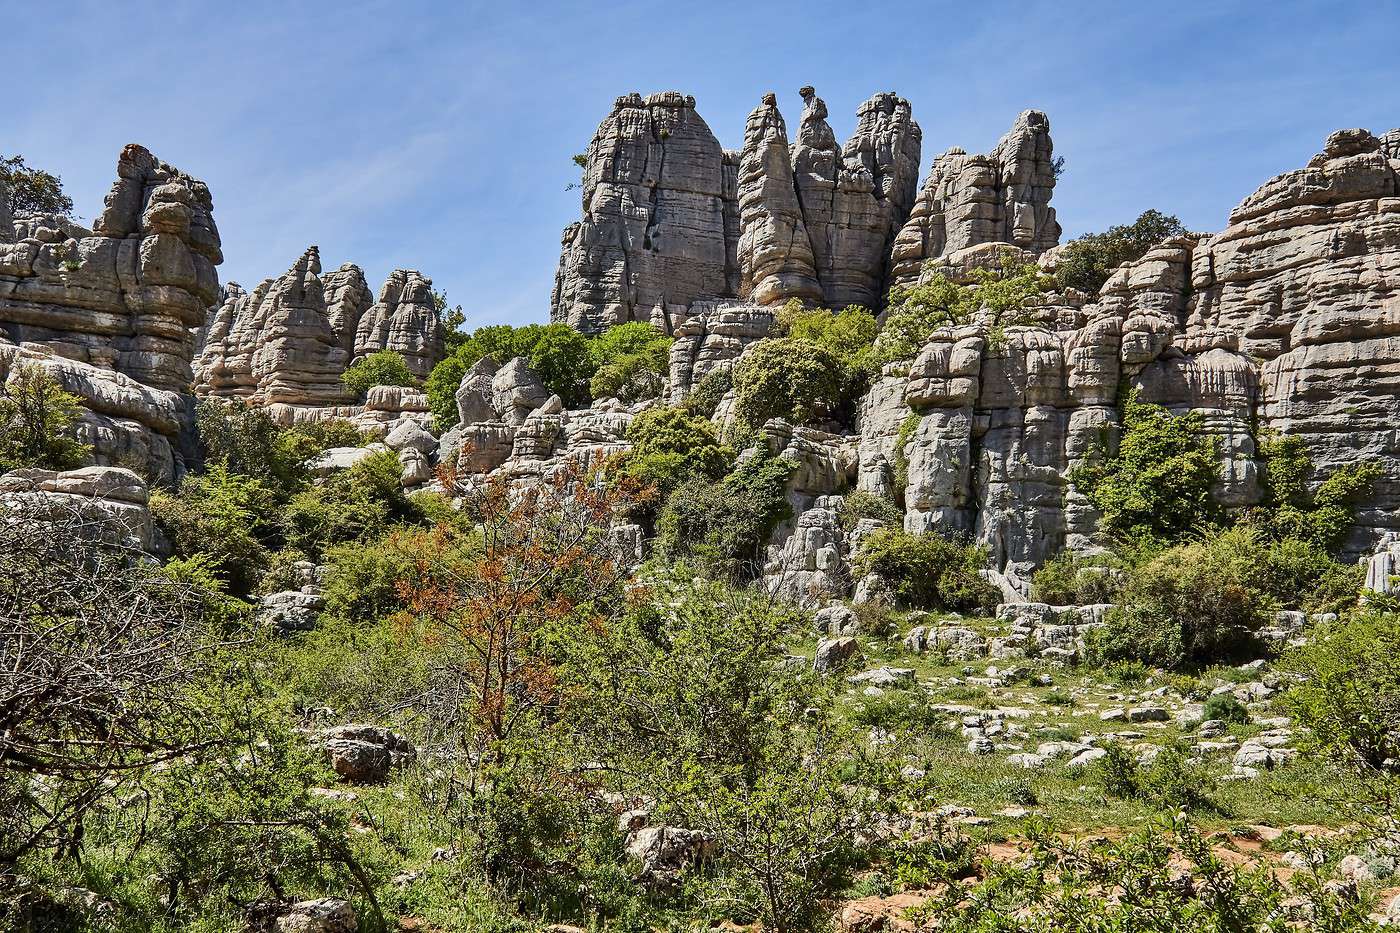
(112, 312)
(405, 321)
(968, 200)
(671, 219)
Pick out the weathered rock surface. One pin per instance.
(403, 320)
(111, 496)
(968, 200)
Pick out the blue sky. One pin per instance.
(438, 136)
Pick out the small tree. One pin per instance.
(32, 190)
(1086, 262)
(36, 415)
(787, 378)
(385, 368)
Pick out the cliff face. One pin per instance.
(112, 312)
(669, 218)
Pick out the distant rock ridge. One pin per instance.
(671, 218)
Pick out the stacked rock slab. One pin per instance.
(658, 208)
(404, 321)
(112, 312)
(276, 345)
(347, 299)
(968, 200)
(670, 218)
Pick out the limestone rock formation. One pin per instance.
(347, 299)
(403, 320)
(656, 211)
(127, 294)
(276, 345)
(115, 497)
(968, 200)
(775, 256)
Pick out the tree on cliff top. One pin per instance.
(1086, 262)
(31, 189)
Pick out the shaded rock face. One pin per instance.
(968, 200)
(127, 294)
(117, 498)
(670, 218)
(403, 320)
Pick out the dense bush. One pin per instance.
(1321, 519)
(1170, 782)
(849, 335)
(632, 361)
(1157, 485)
(1194, 604)
(861, 505)
(705, 397)
(246, 441)
(563, 359)
(36, 421)
(226, 517)
(670, 447)
(1087, 261)
(996, 298)
(787, 378)
(1070, 580)
(354, 505)
(385, 368)
(928, 571)
(1349, 695)
(723, 526)
(1225, 707)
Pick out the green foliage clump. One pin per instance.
(860, 505)
(1169, 782)
(723, 526)
(354, 505)
(224, 518)
(705, 397)
(996, 297)
(631, 361)
(928, 571)
(1070, 580)
(1086, 262)
(787, 378)
(36, 418)
(1225, 707)
(1192, 605)
(1321, 519)
(669, 447)
(849, 334)
(385, 368)
(32, 190)
(245, 440)
(1156, 486)
(1348, 695)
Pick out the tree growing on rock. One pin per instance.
(32, 190)
(36, 417)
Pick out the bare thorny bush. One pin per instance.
(98, 655)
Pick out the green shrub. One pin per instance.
(1349, 695)
(224, 518)
(849, 335)
(1070, 580)
(787, 378)
(36, 420)
(1157, 485)
(1087, 261)
(1192, 605)
(996, 297)
(669, 446)
(364, 581)
(631, 361)
(705, 397)
(723, 526)
(859, 505)
(563, 358)
(1225, 707)
(385, 368)
(907, 427)
(354, 505)
(1170, 782)
(928, 571)
(1321, 519)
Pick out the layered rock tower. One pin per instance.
(670, 218)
